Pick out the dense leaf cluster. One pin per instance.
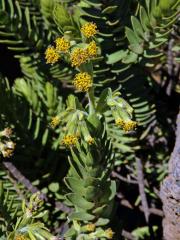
(138, 44)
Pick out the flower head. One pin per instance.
(7, 148)
(89, 29)
(90, 140)
(82, 81)
(127, 125)
(70, 140)
(120, 122)
(62, 44)
(55, 121)
(92, 49)
(109, 233)
(7, 132)
(51, 55)
(20, 237)
(78, 56)
(10, 145)
(90, 227)
(7, 153)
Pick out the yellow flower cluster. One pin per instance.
(89, 29)
(120, 122)
(7, 153)
(82, 81)
(55, 121)
(92, 49)
(126, 125)
(109, 233)
(51, 55)
(90, 140)
(7, 148)
(78, 56)
(70, 140)
(90, 227)
(62, 44)
(20, 237)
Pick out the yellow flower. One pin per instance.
(62, 44)
(70, 140)
(7, 153)
(90, 140)
(129, 125)
(120, 122)
(78, 56)
(7, 132)
(126, 125)
(20, 237)
(55, 121)
(109, 233)
(10, 145)
(89, 29)
(82, 81)
(51, 55)
(7, 148)
(90, 227)
(92, 49)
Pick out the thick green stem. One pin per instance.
(91, 101)
(88, 67)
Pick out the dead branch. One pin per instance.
(170, 193)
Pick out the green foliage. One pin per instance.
(89, 182)
(9, 204)
(28, 225)
(142, 233)
(18, 29)
(37, 95)
(152, 27)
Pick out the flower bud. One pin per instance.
(7, 132)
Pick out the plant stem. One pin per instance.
(91, 101)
